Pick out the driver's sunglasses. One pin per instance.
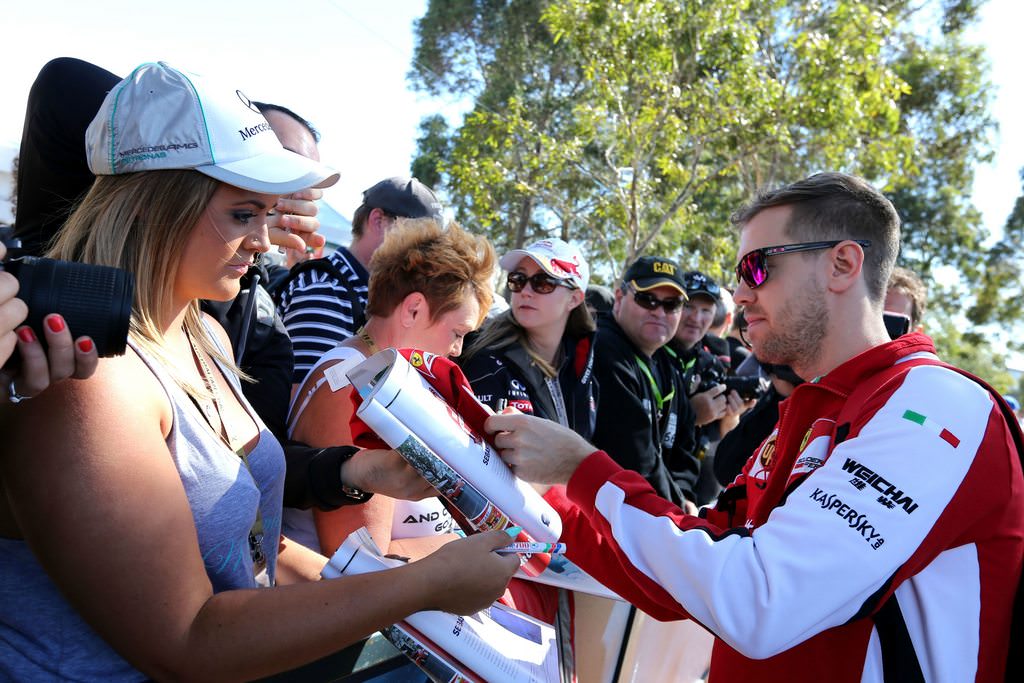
(650, 302)
(753, 266)
(541, 283)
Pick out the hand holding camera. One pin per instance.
(51, 297)
(719, 395)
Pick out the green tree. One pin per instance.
(508, 166)
(1000, 294)
(972, 351)
(639, 126)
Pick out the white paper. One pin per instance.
(398, 402)
(497, 644)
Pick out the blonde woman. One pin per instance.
(141, 507)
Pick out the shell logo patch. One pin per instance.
(767, 451)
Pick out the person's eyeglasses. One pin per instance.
(753, 266)
(650, 302)
(541, 283)
(698, 282)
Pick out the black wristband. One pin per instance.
(328, 490)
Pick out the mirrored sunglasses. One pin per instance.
(650, 302)
(541, 283)
(752, 269)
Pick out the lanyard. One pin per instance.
(259, 558)
(654, 385)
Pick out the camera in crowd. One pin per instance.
(746, 386)
(94, 300)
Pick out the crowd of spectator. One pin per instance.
(166, 513)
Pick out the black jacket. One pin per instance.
(631, 428)
(507, 373)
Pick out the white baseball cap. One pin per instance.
(556, 257)
(159, 118)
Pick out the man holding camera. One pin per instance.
(643, 417)
(877, 534)
(716, 407)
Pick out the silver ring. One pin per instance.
(12, 394)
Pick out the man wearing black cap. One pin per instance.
(643, 416)
(716, 410)
(699, 364)
(323, 302)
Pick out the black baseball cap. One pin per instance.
(697, 282)
(648, 272)
(405, 197)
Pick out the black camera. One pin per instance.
(746, 386)
(94, 300)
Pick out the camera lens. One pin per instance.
(93, 300)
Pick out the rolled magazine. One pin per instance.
(496, 644)
(402, 408)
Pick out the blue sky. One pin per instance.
(342, 64)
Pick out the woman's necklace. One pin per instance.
(221, 428)
(259, 558)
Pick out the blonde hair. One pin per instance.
(140, 222)
(444, 265)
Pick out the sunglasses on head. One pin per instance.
(541, 283)
(752, 269)
(695, 282)
(650, 302)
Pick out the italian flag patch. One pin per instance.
(931, 425)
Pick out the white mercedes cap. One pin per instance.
(160, 118)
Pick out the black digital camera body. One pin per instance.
(711, 373)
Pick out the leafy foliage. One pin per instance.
(638, 126)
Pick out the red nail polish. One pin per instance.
(55, 323)
(26, 335)
(85, 345)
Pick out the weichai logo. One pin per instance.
(891, 497)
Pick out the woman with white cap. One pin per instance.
(142, 506)
(537, 356)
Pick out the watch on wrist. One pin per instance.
(352, 495)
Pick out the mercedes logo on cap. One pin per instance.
(247, 102)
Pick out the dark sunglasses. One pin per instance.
(541, 283)
(650, 302)
(753, 266)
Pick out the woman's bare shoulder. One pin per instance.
(122, 389)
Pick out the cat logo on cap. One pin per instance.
(664, 267)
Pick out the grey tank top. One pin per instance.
(42, 638)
